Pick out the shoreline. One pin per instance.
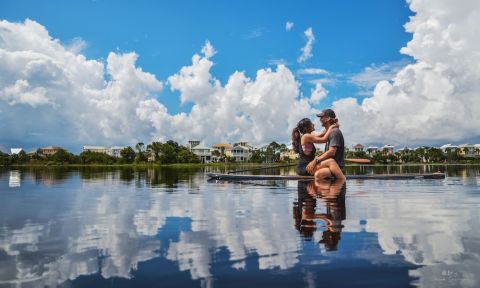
(201, 165)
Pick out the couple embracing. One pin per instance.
(331, 162)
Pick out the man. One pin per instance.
(335, 146)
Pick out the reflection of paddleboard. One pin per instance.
(218, 176)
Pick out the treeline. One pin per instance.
(418, 155)
(157, 153)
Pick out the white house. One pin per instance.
(372, 150)
(388, 149)
(112, 151)
(467, 150)
(193, 143)
(203, 153)
(453, 148)
(241, 153)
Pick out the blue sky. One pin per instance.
(248, 35)
(120, 72)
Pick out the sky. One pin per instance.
(76, 73)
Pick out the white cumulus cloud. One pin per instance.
(433, 100)
(68, 100)
(307, 49)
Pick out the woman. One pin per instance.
(303, 143)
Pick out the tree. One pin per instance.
(140, 153)
(168, 154)
(127, 154)
(154, 149)
(186, 156)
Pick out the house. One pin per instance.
(97, 149)
(15, 151)
(449, 147)
(372, 150)
(241, 153)
(467, 150)
(115, 151)
(358, 148)
(223, 149)
(477, 149)
(289, 154)
(192, 143)
(112, 151)
(203, 153)
(387, 150)
(49, 150)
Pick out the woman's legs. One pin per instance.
(333, 168)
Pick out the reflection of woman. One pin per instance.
(302, 209)
(303, 143)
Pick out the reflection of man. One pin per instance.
(335, 146)
(332, 195)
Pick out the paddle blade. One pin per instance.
(358, 160)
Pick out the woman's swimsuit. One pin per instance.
(304, 159)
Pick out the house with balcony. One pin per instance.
(387, 150)
(467, 150)
(241, 153)
(358, 148)
(203, 153)
(220, 151)
(115, 151)
(49, 150)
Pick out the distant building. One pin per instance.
(477, 150)
(467, 150)
(109, 150)
(203, 153)
(241, 153)
(15, 151)
(372, 150)
(49, 150)
(289, 154)
(193, 143)
(388, 150)
(97, 149)
(358, 148)
(115, 151)
(446, 147)
(404, 150)
(223, 148)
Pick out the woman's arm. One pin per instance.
(320, 138)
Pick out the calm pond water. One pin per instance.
(173, 228)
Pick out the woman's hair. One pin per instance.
(297, 132)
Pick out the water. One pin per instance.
(172, 228)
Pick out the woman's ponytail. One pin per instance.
(297, 132)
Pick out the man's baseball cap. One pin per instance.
(328, 113)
